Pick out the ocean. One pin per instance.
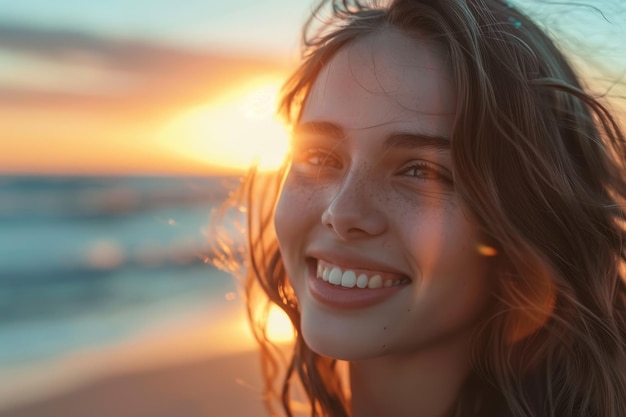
(91, 261)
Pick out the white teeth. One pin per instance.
(335, 276)
(375, 282)
(348, 279)
(325, 274)
(362, 281)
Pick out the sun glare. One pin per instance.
(234, 131)
(279, 328)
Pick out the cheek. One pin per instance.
(283, 219)
(447, 242)
(294, 218)
(449, 266)
(293, 213)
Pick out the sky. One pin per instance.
(178, 86)
(138, 86)
(243, 24)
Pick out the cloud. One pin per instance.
(44, 66)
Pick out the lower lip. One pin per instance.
(349, 298)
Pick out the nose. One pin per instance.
(354, 211)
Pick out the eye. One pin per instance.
(317, 157)
(426, 171)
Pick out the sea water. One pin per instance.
(90, 261)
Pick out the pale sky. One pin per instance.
(241, 24)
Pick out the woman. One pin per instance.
(449, 222)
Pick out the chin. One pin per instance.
(338, 350)
(338, 341)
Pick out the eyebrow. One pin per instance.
(404, 140)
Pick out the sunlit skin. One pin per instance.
(370, 187)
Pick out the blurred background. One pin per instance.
(123, 125)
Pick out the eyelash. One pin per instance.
(325, 159)
(432, 170)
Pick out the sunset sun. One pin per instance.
(234, 130)
(279, 328)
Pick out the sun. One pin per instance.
(233, 131)
(279, 327)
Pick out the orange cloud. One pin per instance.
(76, 103)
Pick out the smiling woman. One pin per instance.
(233, 131)
(448, 225)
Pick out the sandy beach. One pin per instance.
(206, 365)
(221, 386)
(148, 330)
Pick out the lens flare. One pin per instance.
(486, 250)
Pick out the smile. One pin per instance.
(353, 278)
(341, 287)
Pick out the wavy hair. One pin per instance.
(538, 160)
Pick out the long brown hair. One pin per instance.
(539, 162)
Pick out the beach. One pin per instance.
(109, 305)
(221, 386)
(199, 366)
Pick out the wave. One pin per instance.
(24, 198)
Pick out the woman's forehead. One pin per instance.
(383, 77)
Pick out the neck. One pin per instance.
(425, 384)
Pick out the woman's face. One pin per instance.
(381, 255)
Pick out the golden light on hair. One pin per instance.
(279, 327)
(234, 131)
(486, 250)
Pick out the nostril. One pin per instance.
(327, 219)
(351, 220)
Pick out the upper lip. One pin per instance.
(351, 260)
